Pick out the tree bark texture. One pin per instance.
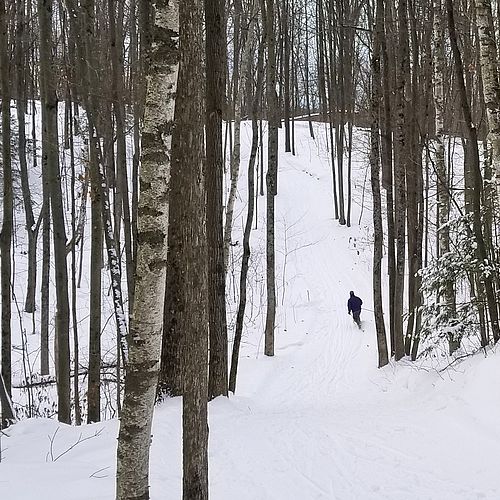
(50, 162)
(214, 171)
(170, 381)
(271, 178)
(378, 230)
(481, 253)
(8, 207)
(146, 322)
(193, 321)
(491, 82)
(94, 380)
(399, 176)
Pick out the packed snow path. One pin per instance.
(318, 420)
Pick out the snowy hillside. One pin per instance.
(319, 420)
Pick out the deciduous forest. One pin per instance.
(147, 147)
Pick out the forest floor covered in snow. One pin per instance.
(319, 420)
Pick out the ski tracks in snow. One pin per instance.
(326, 274)
(328, 427)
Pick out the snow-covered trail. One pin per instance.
(318, 420)
(324, 262)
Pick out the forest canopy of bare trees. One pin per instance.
(121, 137)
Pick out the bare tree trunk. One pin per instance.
(340, 74)
(424, 116)
(31, 227)
(481, 252)
(306, 68)
(74, 315)
(248, 225)
(94, 380)
(214, 171)
(194, 304)
(50, 161)
(271, 177)
(491, 83)
(132, 477)
(387, 167)
(170, 379)
(83, 27)
(321, 60)
(116, 34)
(383, 357)
(399, 177)
(329, 55)
(447, 294)
(235, 152)
(8, 207)
(285, 32)
(46, 252)
(45, 284)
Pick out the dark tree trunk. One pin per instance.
(214, 171)
(8, 207)
(271, 177)
(74, 314)
(387, 167)
(285, 30)
(248, 224)
(399, 176)
(50, 162)
(31, 228)
(94, 380)
(194, 305)
(170, 381)
(471, 130)
(45, 284)
(383, 357)
(116, 34)
(413, 183)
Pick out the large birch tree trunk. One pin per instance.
(146, 322)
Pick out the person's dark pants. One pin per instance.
(355, 317)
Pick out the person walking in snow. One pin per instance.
(354, 305)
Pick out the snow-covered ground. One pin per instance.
(318, 420)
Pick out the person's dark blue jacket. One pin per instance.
(354, 303)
